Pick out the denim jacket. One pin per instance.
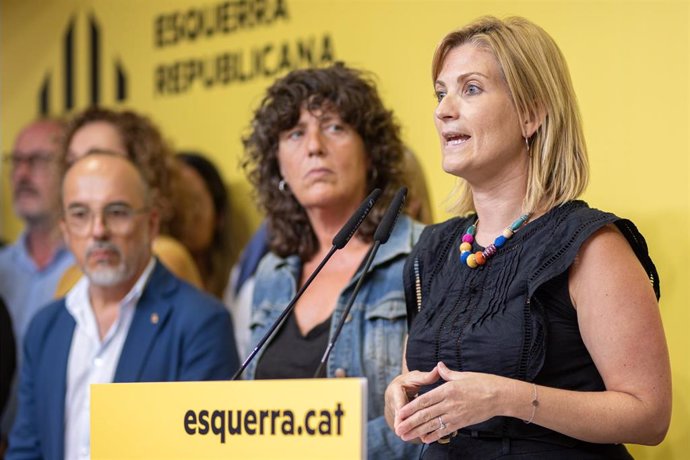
(371, 342)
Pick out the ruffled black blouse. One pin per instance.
(511, 317)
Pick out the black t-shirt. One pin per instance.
(291, 355)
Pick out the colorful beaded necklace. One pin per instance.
(480, 257)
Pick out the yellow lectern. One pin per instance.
(261, 419)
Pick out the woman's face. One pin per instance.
(323, 161)
(478, 126)
(96, 135)
(198, 228)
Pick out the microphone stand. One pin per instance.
(321, 370)
(383, 232)
(284, 314)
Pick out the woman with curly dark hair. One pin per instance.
(320, 142)
(135, 136)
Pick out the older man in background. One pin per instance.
(128, 319)
(31, 267)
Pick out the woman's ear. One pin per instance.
(531, 121)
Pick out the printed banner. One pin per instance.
(265, 419)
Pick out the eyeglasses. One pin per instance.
(37, 160)
(117, 218)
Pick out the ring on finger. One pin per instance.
(442, 425)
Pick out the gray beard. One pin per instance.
(109, 276)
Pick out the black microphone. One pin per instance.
(351, 226)
(339, 241)
(383, 232)
(385, 228)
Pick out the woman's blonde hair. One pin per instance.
(539, 82)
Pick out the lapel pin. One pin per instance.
(154, 318)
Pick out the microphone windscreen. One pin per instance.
(351, 226)
(383, 232)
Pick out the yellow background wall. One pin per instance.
(629, 63)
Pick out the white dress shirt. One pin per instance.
(92, 360)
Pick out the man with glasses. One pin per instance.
(31, 267)
(128, 319)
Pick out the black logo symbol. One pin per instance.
(93, 76)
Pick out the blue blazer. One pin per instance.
(191, 340)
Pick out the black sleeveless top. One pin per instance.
(510, 317)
